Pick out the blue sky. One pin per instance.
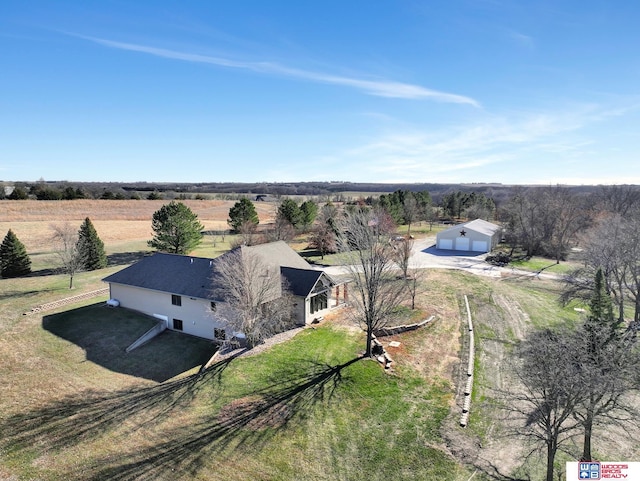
(517, 92)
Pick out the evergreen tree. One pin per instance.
(309, 211)
(14, 260)
(90, 247)
(177, 229)
(290, 212)
(243, 212)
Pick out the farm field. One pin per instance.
(123, 225)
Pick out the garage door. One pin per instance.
(445, 244)
(462, 244)
(479, 246)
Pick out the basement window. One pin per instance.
(177, 324)
(176, 300)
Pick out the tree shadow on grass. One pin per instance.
(84, 416)
(105, 333)
(44, 272)
(125, 258)
(245, 423)
(24, 294)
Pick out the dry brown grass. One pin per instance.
(434, 350)
(117, 221)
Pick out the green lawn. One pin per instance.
(76, 407)
(307, 409)
(537, 264)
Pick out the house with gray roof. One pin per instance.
(184, 292)
(473, 236)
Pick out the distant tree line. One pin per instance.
(334, 191)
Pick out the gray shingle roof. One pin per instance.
(301, 281)
(277, 254)
(194, 276)
(177, 274)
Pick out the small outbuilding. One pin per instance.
(473, 236)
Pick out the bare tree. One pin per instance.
(413, 280)
(478, 211)
(378, 292)
(612, 246)
(569, 217)
(281, 229)
(65, 238)
(619, 199)
(410, 211)
(402, 249)
(545, 220)
(606, 369)
(430, 214)
(548, 393)
(255, 298)
(247, 231)
(325, 233)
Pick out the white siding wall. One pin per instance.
(471, 241)
(195, 314)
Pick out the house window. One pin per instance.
(176, 300)
(213, 307)
(177, 324)
(318, 302)
(219, 334)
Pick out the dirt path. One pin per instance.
(490, 445)
(499, 322)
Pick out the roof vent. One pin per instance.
(192, 260)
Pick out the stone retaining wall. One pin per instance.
(67, 300)
(391, 331)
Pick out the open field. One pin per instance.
(115, 220)
(123, 225)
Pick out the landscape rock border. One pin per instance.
(68, 300)
(466, 406)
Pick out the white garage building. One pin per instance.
(473, 236)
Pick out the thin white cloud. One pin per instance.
(493, 147)
(380, 88)
(522, 39)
